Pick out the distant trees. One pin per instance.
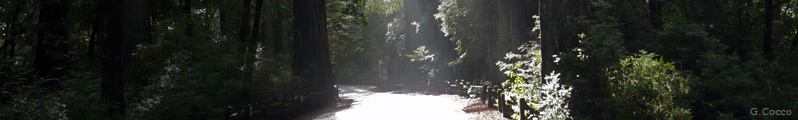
(51, 38)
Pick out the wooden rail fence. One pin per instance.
(493, 96)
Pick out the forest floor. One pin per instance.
(364, 102)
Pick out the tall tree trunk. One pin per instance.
(552, 22)
(558, 36)
(312, 53)
(284, 42)
(511, 28)
(244, 32)
(412, 15)
(187, 9)
(768, 39)
(268, 33)
(137, 25)
(51, 37)
(655, 14)
(113, 57)
(256, 24)
(222, 21)
(491, 39)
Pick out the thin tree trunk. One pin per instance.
(256, 27)
(222, 21)
(795, 42)
(93, 36)
(768, 39)
(187, 9)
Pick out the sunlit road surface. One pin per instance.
(369, 105)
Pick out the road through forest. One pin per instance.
(359, 102)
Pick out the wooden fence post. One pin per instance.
(491, 96)
(203, 116)
(227, 112)
(522, 109)
(486, 94)
(247, 112)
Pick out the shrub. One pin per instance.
(545, 95)
(646, 88)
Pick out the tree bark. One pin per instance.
(552, 22)
(137, 25)
(222, 21)
(312, 53)
(187, 9)
(511, 28)
(768, 39)
(113, 57)
(94, 30)
(51, 37)
(412, 15)
(256, 24)
(491, 39)
(244, 32)
(655, 15)
(268, 33)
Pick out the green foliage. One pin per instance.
(194, 81)
(729, 83)
(545, 95)
(424, 56)
(646, 88)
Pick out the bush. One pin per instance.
(645, 88)
(545, 95)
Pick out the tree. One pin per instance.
(655, 14)
(187, 10)
(113, 57)
(768, 38)
(137, 23)
(312, 50)
(256, 27)
(51, 38)
(243, 34)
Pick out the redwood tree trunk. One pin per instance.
(243, 34)
(312, 53)
(113, 57)
(187, 9)
(655, 15)
(552, 24)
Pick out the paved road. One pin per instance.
(369, 105)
